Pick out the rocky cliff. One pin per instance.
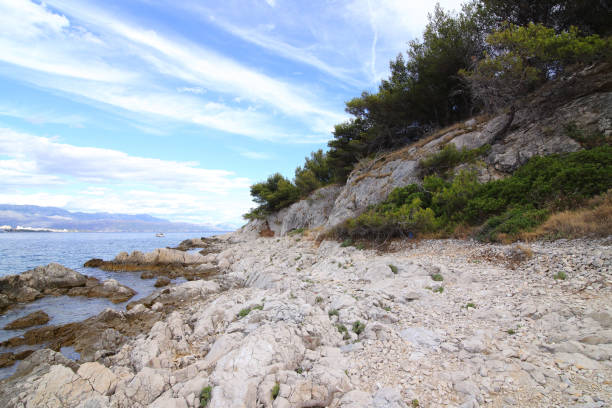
(536, 126)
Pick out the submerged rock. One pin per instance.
(33, 319)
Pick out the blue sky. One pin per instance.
(173, 108)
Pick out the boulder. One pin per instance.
(30, 285)
(162, 281)
(52, 279)
(112, 290)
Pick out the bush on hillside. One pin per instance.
(450, 157)
(504, 207)
(587, 139)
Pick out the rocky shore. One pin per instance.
(289, 322)
(57, 280)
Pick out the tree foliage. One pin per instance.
(316, 173)
(524, 57)
(272, 195)
(589, 16)
(423, 91)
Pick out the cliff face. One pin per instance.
(535, 126)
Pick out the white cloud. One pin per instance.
(22, 18)
(264, 39)
(34, 156)
(116, 181)
(178, 207)
(351, 40)
(42, 117)
(256, 155)
(92, 54)
(394, 23)
(42, 199)
(34, 37)
(194, 90)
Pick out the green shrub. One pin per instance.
(439, 289)
(346, 243)
(275, 390)
(560, 276)
(333, 312)
(511, 223)
(205, 396)
(415, 403)
(358, 327)
(587, 140)
(437, 277)
(342, 329)
(450, 157)
(318, 299)
(470, 304)
(393, 269)
(296, 231)
(244, 312)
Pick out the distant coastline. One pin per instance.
(8, 228)
(30, 218)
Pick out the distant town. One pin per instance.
(19, 228)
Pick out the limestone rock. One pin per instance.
(99, 377)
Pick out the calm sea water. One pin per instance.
(21, 251)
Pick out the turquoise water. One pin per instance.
(21, 251)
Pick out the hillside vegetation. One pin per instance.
(482, 60)
(503, 207)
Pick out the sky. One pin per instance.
(174, 108)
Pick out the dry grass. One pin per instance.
(592, 220)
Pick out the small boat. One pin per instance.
(160, 234)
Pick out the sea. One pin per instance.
(21, 251)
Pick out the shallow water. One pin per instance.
(23, 251)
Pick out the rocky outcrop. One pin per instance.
(208, 245)
(33, 319)
(55, 280)
(311, 212)
(171, 263)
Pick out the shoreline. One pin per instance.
(303, 310)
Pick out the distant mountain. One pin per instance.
(33, 216)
